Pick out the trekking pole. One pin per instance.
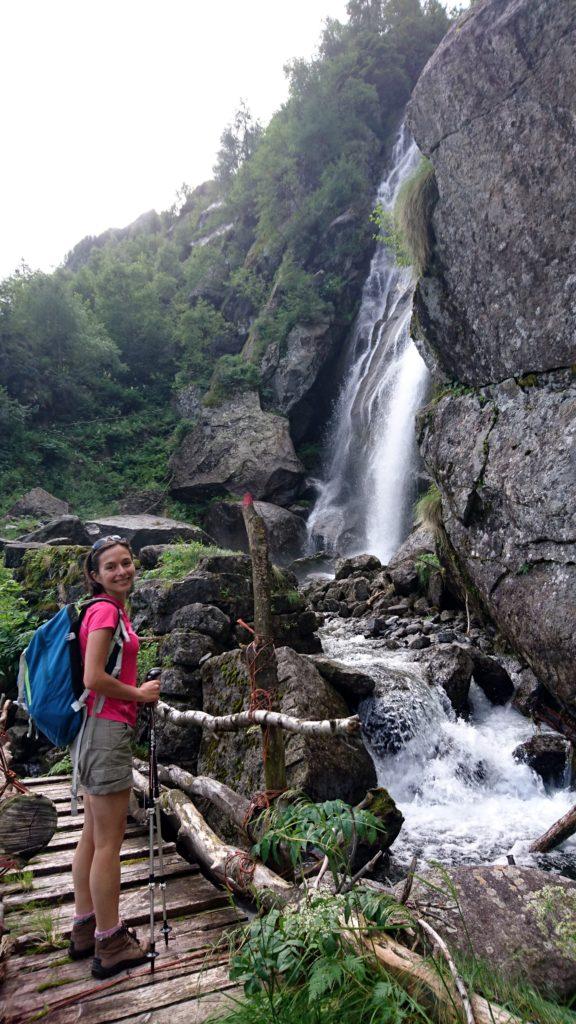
(166, 928)
(150, 809)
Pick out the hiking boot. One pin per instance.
(82, 939)
(118, 952)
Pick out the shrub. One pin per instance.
(413, 212)
(17, 624)
(181, 559)
(231, 374)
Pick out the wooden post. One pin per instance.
(261, 656)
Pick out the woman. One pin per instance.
(105, 763)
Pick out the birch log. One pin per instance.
(233, 805)
(557, 833)
(232, 867)
(245, 719)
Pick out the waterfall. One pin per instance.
(365, 497)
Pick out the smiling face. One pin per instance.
(115, 572)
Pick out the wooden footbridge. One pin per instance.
(190, 982)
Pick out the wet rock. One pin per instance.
(526, 693)
(403, 568)
(419, 643)
(520, 921)
(324, 767)
(39, 503)
(286, 532)
(236, 447)
(451, 668)
(350, 682)
(446, 636)
(143, 530)
(67, 529)
(492, 678)
(359, 564)
(548, 755)
(290, 371)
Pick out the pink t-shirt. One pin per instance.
(105, 616)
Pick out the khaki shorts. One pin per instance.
(105, 757)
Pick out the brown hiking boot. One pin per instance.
(82, 939)
(118, 952)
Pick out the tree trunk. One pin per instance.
(27, 823)
(260, 655)
(556, 834)
(233, 805)
(246, 719)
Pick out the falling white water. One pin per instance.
(365, 497)
(464, 797)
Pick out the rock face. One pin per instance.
(504, 460)
(497, 311)
(520, 921)
(236, 447)
(502, 141)
(286, 532)
(291, 374)
(65, 529)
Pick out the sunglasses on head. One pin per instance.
(114, 538)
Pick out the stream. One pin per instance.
(464, 798)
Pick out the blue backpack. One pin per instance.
(50, 678)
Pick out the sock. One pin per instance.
(82, 918)
(108, 932)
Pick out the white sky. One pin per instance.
(110, 105)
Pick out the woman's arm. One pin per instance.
(97, 678)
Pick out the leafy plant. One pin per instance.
(63, 766)
(147, 656)
(334, 828)
(180, 559)
(426, 565)
(17, 623)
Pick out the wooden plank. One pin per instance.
(140, 994)
(54, 861)
(56, 889)
(201, 930)
(39, 780)
(67, 840)
(192, 1011)
(184, 896)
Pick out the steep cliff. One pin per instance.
(496, 311)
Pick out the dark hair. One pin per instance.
(92, 560)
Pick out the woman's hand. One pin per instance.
(149, 692)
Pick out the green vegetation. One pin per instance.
(427, 565)
(48, 573)
(428, 510)
(63, 766)
(407, 230)
(91, 355)
(17, 623)
(180, 559)
(147, 656)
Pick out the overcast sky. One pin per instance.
(110, 105)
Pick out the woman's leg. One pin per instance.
(109, 813)
(82, 863)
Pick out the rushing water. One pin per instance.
(368, 488)
(463, 796)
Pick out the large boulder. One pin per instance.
(286, 532)
(142, 530)
(500, 299)
(325, 767)
(236, 447)
(519, 921)
(65, 529)
(39, 503)
(548, 754)
(154, 602)
(504, 460)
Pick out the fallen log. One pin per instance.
(427, 985)
(27, 823)
(246, 719)
(195, 840)
(233, 805)
(558, 833)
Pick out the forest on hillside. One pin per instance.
(92, 355)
